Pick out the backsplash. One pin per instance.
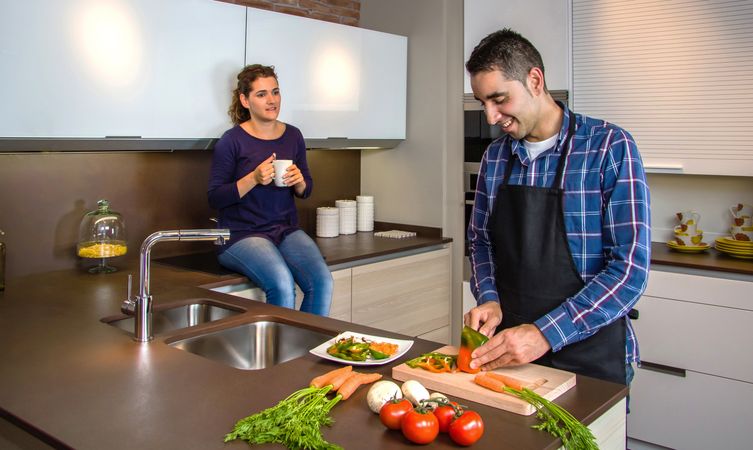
(710, 196)
(43, 197)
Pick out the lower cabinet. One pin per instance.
(695, 385)
(694, 411)
(341, 298)
(408, 295)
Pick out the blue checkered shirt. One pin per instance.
(607, 219)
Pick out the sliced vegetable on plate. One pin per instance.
(362, 349)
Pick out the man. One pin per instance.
(560, 235)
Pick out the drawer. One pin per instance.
(699, 289)
(695, 412)
(698, 337)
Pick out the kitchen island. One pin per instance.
(73, 381)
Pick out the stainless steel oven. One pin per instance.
(478, 135)
(470, 178)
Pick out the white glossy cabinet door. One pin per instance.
(96, 68)
(336, 81)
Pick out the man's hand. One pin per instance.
(488, 315)
(511, 347)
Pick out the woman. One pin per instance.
(265, 242)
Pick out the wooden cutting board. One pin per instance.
(461, 385)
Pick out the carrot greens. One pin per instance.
(557, 421)
(294, 422)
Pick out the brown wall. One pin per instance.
(339, 11)
(44, 196)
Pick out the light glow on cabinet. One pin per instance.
(108, 40)
(336, 75)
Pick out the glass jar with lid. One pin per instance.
(102, 235)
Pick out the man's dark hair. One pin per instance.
(507, 51)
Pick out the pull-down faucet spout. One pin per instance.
(141, 305)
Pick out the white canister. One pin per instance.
(365, 221)
(327, 222)
(348, 215)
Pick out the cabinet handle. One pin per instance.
(663, 168)
(661, 368)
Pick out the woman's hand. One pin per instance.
(265, 172)
(294, 178)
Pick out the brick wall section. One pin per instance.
(347, 12)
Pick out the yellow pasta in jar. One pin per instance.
(102, 250)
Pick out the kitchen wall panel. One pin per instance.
(420, 182)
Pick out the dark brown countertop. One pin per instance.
(76, 381)
(341, 250)
(710, 259)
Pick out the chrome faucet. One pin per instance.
(141, 305)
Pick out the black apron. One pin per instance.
(535, 272)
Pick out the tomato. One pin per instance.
(445, 415)
(420, 427)
(467, 429)
(393, 411)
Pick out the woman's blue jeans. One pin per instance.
(276, 270)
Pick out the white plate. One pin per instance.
(402, 347)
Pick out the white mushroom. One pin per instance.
(437, 396)
(415, 392)
(380, 393)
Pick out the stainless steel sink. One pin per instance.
(254, 345)
(184, 316)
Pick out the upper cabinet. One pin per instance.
(543, 22)
(154, 75)
(342, 86)
(83, 69)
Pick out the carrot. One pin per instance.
(353, 383)
(484, 380)
(325, 379)
(508, 380)
(338, 380)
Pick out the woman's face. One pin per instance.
(263, 101)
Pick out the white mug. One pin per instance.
(281, 166)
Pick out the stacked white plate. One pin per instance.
(327, 221)
(348, 216)
(365, 205)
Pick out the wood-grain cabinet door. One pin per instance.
(408, 295)
(340, 308)
(341, 298)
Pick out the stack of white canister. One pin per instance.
(327, 221)
(348, 216)
(365, 205)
